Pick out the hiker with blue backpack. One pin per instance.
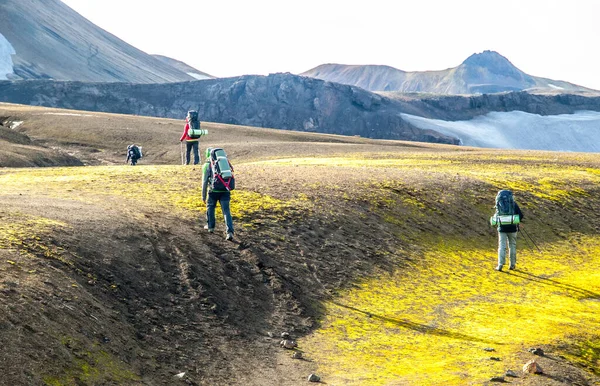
(507, 219)
(191, 135)
(217, 183)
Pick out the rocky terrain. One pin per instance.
(464, 107)
(69, 62)
(282, 101)
(291, 102)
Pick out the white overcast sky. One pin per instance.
(556, 39)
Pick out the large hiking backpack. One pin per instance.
(194, 130)
(505, 209)
(222, 171)
(134, 151)
(505, 202)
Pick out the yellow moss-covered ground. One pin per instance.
(170, 188)
(22, 232)
(429, 322)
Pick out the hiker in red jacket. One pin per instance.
(191, 143)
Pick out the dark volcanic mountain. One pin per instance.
(288, 102)
(51, 41)
(484, 73)
(282, 101)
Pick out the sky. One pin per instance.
(550, 38)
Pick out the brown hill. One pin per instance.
(164, 302)
(94, 138)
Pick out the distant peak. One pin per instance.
(485, 58)
(493, 62)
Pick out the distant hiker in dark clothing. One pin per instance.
(507, 218)
(134, 153)
(191, 136)
(217, 183)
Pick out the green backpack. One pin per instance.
(222, 171)
(194, 130)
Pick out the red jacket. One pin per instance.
(185, 135)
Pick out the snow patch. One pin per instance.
(198, 76)
(6, 63)
(555, 86)
(519, 130)
(15, 124)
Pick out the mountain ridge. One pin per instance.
(489, 81)
(289, 102)
(481, 73)
(184, 67)
(282, 101)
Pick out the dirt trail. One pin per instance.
(159, 295)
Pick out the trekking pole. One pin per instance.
(530, 238)
(181, 151)
(199, 152)
(527, 242)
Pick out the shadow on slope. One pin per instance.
(539, 279)
(420, 327)
(110, 282)
(99, 295)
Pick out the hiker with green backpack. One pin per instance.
(191, 135)
(507, 219)
(217, 183)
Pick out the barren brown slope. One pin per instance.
(102, 138)
(108, 278)
(18, 150)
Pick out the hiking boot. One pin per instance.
(512, 267)
(498, 268)
(229, 236)
(210, 230)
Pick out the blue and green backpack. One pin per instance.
(505, 209)
(222, 171)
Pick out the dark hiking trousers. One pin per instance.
(189, 146)
(211, 203)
